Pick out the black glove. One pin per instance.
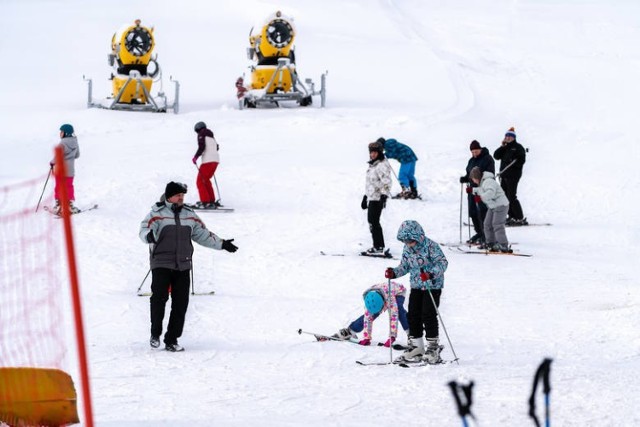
(150, 238)
(363, 205)
(228, 246)
(464, 179)
(383, 200)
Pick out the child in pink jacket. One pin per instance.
(376, 301)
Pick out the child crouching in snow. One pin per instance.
(376, 301)
(497, 203)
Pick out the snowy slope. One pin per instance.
(432, 74)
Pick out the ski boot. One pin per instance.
(432, 353)
(72, 208)
(413, 353)
(345, 334)
(56, 209)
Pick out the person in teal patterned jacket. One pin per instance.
(407, 173)
(423, 259)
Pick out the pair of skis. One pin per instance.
(219, 209)
(322, 338)
(386, 254)
(59, 215)
(460, 249)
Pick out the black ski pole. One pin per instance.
(444, 328)
(144, 280)
(215, 181)
(503, 170)
(542, 374)
(44, 188)
(193, 286)
(461, 193)
(464, 408)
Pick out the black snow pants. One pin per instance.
(162, 278)
(510, 186)
(373, 216)
(423, 316)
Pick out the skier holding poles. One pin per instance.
(424, 260)
(207, 148)
(481, 158)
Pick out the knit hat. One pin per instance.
(174, 188)
(475, 145)
(511, 132)
(381, 140)
(475, 173)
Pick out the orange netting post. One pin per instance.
(60, 173)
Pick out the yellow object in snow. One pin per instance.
(37, 396)
(131, 50)
(271, 45)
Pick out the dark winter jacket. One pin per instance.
(508, 153)
(426, 254)
(484, 161)
(402, 153)
(170, 229)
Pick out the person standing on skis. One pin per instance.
(481, 158)
(376, 301)
(423, 259)
(378, 189)
(511, 152)
(207, 148)
(407, 158)
(71, 151)
(493, 196)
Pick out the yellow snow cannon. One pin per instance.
(273, 72)
(135, 71)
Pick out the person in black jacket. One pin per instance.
(512, 156)
(481, 158)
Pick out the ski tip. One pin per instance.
(299, 331)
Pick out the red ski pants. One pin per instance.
(68, 182)
(205, 189)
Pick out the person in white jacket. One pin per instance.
(497, 203)
(378, 190)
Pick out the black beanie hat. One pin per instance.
(174, 188)
(475, 145)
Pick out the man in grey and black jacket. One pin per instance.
(169, 228)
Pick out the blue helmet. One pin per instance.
(373, 301)
(67, 129)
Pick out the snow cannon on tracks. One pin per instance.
(274, 77)
(135, 70)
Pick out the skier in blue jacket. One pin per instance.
(423, 259)
(407, 158)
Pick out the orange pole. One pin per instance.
(60, 174)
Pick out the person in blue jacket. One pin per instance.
(407, 158)
(425, 262)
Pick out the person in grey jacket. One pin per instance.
(497, 203)
(71, 151)
(169, 228)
